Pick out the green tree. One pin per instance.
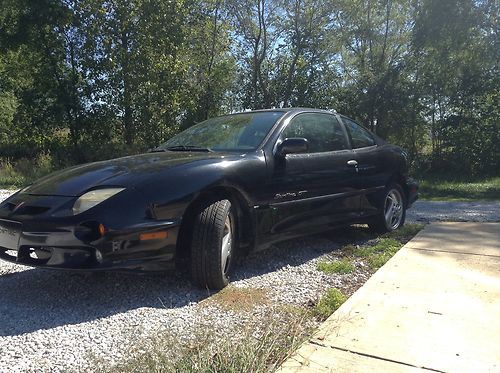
(211, 72)
(456, 44)
(375, 36)
(33, 73)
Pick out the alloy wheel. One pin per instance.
(393, 209)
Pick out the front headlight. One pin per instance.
(93, 198)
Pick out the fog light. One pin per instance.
(98, 256)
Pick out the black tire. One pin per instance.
(380, 223)
(207, 252)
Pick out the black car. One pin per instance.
(222, 188)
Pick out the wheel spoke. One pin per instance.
(389, 208)
(393, 211)
(226, 245)
(388, 215)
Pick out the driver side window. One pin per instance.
(322, 131)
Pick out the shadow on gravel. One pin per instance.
(37, 299)
(298, 251)
(42, 299)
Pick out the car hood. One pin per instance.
(123, 172)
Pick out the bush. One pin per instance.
(24, 171)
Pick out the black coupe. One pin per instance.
(221, 188)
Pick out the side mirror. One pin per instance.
(292, 145)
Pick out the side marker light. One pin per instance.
(153, 236)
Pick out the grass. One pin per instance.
(379, 253)
(385, 247)
(445, 190)
(329, 303)
(265, 342)
(24, 171)
(209, 351)
(382, 251)
(342, 267)
(376, 252)
(405, 233)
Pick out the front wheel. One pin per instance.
(213, 245)
(393, 214)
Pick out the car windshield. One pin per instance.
(244, 131)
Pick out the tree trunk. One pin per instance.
(128, 124)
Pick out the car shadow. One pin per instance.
(38, 299)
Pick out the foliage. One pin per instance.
(254, 350)
(83, 80)
(382, 251)
(343, 267)
(404, 233)
(379, 249)
(460, 190)
(329, 303)
(24, 171)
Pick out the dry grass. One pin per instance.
(264, 342)
(234, 298)
(259, 348)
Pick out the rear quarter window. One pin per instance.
(360, 137)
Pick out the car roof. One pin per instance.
(288, 109)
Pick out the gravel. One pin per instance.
(427, 211)
(62, 321)
(4, 194)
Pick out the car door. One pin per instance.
(370, 174)
(315, 188)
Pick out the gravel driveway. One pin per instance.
(51, 320)
(427, 211)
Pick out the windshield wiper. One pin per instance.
(188, 148)
(157, 150)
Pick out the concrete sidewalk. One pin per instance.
(434, 306)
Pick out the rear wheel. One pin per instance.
(393, 214)
(213, 245)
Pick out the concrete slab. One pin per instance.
(435, 305)
(464, 238)
(321, 359)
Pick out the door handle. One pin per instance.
(352, 162)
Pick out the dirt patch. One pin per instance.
(234, 298)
